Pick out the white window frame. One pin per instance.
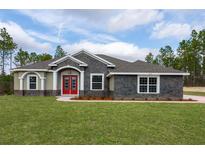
(91, 78)
(145, 76)
(28, 81)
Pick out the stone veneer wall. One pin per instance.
(96, 93)
(94, 66)
(126, 88)
(37, 92)
(58, 93)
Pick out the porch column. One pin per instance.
(82, 80)
(54, 80)
(21, 83)
(42, 83)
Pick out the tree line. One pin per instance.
(22, 57)
(189, 57)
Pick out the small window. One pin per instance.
(97, 82)
(143, 84)
(152, 84)
(32, 82)
(148, 85)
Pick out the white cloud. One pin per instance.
(76, 21)
(177, 30)
(70, 17)
(85, 22)
(23, 39)
(47, 17)
(46, 37)
(92, 36)
(123, 50)
(132, 18)
(101, 38)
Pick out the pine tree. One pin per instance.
(6, 46)
(59, 52)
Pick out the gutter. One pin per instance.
(141, 73)
(40, 70)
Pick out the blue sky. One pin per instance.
(126, 34)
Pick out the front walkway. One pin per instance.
(63, 98)
(68, 99)
(200, 99)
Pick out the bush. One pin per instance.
(6, 84)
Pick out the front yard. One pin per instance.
(42, 120)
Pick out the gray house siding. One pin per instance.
(125, 87)
(66, 63)
(171, 86)
(94, 66)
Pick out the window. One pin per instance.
(153, 84)
(73, 87)
(143, 84)
(148, 84)
(32, 82)
(66, 79)
(97, 81)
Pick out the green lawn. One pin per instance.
(196, 93)
(42, 120)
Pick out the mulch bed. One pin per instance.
(134, 99)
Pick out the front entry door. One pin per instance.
(70, 84)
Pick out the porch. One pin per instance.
(69, 81)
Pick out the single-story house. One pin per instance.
(98, 75)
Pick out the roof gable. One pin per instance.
(109, 64)
(55, 63)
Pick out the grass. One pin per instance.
(42, 120)
(196, 89)
(195, 93)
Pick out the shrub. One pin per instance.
(6, 84)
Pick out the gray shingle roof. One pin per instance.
(38, 65)
(121, 66)
(138, 66)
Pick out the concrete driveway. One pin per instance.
(200, 99)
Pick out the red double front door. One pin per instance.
(70, 84)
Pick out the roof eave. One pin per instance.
(144, 73)
(31, 70)
(110, 65)
(84, 65)
(51, 64)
